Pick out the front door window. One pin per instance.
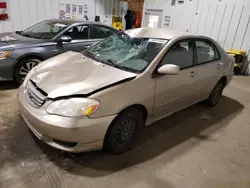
(180, 54)
(80, 32)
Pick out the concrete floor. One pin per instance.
(197, 147)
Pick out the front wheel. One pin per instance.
(216, 94)
(124, 131)
(23, 68)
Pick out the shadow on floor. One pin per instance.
(168, 137)
(156, 139)
(8, 85)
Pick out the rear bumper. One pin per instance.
(6, 69)
(84, 133)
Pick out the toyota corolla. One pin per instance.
(104, 96)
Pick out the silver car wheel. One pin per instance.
(26, 68)
(126, 131)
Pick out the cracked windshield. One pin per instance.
(125, 52)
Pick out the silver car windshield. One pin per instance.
(124, 52)
(44, 30)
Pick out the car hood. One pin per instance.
(72, 73)
(13, 40)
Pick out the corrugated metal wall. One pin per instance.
(106, 8)
(24, 13)
(226, 21)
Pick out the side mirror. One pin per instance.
(64, 38)
(169, 69)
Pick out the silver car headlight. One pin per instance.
(73, 107)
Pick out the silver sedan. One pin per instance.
(104, 96)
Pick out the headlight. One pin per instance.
(4, 54)
(74, 107)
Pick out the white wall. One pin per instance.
(105, 8)
(226, 21)
(24, 13)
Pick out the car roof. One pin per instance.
(70, 22)
(163, 33)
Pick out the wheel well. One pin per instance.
(27, 57)
(224, 80)
(139, 107)
(30, 57)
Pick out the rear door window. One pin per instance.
(206, 51)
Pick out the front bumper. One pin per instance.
(87, 134)
(6, 69)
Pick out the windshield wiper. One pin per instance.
(24, 34)
(113, 64)
(34, 35)
(109, 62)
(126, 68)
(30, 35)
(95, 57)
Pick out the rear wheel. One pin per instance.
(23, 68)
(124, 131)
(216, 94)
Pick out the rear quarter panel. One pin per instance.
(228, 63)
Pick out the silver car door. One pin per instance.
(174, 92)
(209, 67)
(80, 40)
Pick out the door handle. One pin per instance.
(219, 64)
(192, 74)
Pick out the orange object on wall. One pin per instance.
(138, 19)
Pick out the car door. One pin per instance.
(174, 92)
(208, 66)
(80, 40)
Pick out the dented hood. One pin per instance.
(72, 73)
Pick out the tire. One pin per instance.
(23, 67)
(124, 132)
(216, 94)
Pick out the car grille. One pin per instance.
(36, 96)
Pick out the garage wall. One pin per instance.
(226, 21)
(106, 8)
(24, 13)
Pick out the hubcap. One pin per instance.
(125, 132)
(26, 68)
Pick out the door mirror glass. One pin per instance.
(64, 38)
(169, 69)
